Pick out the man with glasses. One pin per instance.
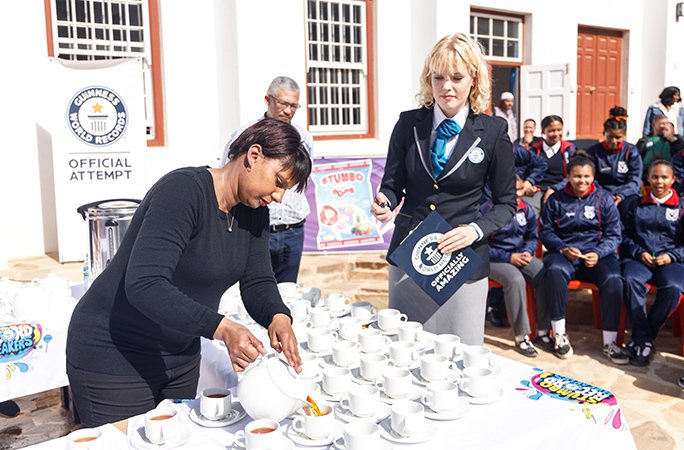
(286, 240)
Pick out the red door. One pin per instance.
(599, 64)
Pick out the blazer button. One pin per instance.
(432, 206)
(436, 186)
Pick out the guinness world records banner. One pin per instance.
(340, 193)
(97, 127)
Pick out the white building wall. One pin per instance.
(219, 56)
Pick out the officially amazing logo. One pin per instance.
(97, 116)
(426, 258)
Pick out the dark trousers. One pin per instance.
(286, 253)
(101, 398)
(559, 270)
(668, 279)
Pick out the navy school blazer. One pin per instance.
(455, 194)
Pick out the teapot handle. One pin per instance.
(259, 359)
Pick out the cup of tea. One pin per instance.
(320, 339)
(345, 353)
(313, 426)
(448, 345)
(350, 327)
(396, 382)
(320, 317)
(161, 425)
(362, 401)
(372, 365)
(389, 319)
(215, 403)
(359, 435)
(372, 340)
(476, 356)
(477, 382)
(363, 310)
(403, 353)
(407, 418)
(435, 367)
(85, 439)
(441, 396)
(337, 301)
(260, 433)
(336, 380)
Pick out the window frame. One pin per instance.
(154, 48)
(369, 79)
(501, 60)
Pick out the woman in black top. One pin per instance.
(134, 336)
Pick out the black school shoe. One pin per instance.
(680, 382)
(616, 354)
(9, 409)
(644, 354)
(544, 342)
(526, 348)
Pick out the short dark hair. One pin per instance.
(548, 120)
(530, 120)
(667, 96)
(660, 162)
(578, 159)
(278, 140)
(617, 119)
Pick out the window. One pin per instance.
(338, 80)
(91, 30)
(501, 36)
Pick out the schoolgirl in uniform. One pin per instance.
(580, 227)
(653, 252)
(618, 163)
(512, 264)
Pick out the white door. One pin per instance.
(546, 90)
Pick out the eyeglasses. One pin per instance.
(284, 105)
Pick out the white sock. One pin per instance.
(609, 337)
(520, 338)
(558, 326)
(542, 333)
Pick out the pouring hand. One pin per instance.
(284, 340)
(243, 347)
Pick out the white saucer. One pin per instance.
(358, 379)
(327, 360)
(235, 415)
(413, 365)
(347, 416)
(341, 312)
(330, 397)
(305, 346)
(392, 332)
(426, 343)
(414, 393)
(387, 433)
(494, 396)
(302, 439)
(140, 441)
(495, 368)
(337, 445)
(453, 375)
(285, 444)
(461, 408)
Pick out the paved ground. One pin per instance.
(650, 399)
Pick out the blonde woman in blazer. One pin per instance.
(430, 167)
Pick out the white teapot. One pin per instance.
(271, 389)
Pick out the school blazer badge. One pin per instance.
(672, 214)
(520, 218)
(589, 212)
(622, 167)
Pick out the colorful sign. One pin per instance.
(17, 344)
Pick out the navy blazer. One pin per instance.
(517, 236)
(455, 194)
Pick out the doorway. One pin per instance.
(506, 78)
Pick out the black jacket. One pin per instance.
(456, 196)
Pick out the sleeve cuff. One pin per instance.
(478, 230)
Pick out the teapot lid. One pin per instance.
(284, 377)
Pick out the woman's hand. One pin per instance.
(571, 253)
(243, 347)
(617, 199)
(663, 260)
(283, 340)
(590, 259)
(380, 208)
(530, 189)
(547, 194)
(456, 239)
(521, 259)
(647, 259)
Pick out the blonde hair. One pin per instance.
(443, 59)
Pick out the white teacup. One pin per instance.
(362, 401)
(345, 353)
(300, 310)
(389, 319)
(410, 331)
(363, 310)
(448, 345)
(403, 353)
(359, 435)
(260, 433)
(161, 425)
(435, 367)
(372, 340)
(441, 396)
(396, 382)
(350, 327)
(476, 356)
(477, 382)
(85, 439)
(372, 365)
(315, 427)
(288, 290)
(336, 380)
(312, 389)
(320, 339)
(337, 301)
(408, 418)
(310, 368)
(320, 317)
(215, 403)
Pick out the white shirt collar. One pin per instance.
(460, 118)
(660, 201)
(551, 150)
